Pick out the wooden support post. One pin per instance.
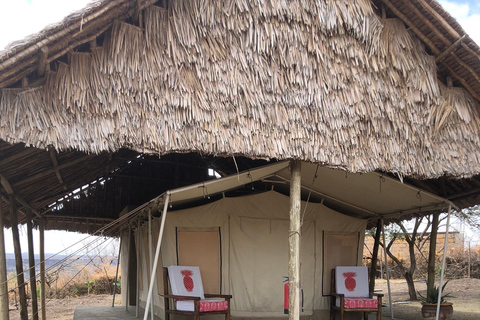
(42, 61)
(42, 270)
(390, 303)
(24, 82)
(116, 273)
(18, 259)
(31, 264)
(373, 267)
(4, 315)
(294, 241)
(432, 252)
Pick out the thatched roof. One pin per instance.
(326, 82)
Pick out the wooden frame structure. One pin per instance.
(342, 309)
(196, 314)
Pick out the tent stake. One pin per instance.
(386, 271)
(157, 255)
(3, 272)
(294, 241)
(445, 244)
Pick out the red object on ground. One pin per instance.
(285, 298)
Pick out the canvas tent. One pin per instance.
(241, 243)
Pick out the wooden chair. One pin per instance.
(188, 296)
(349, 293)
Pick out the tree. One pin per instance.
(416, 239)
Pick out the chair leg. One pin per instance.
(365, 316)
(332, 314)
(379, 314)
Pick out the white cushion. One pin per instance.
(186, 281)
(352, 281)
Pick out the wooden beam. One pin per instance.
(24, 82)
(31, 264)
(449, 50)
(412, 27)
(431, 272)
(18, 259)
(93, 44)
(53, 170)
(26, 152)
(439, 17)
(4, 314)
(42, 61)
(462, 81)
(8, 187)
(51, 149)
(430, 44)
(294, 241)
(464, 194)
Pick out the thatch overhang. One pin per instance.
(337, 83)
(326, 82)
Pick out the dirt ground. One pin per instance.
(466, 301)
(465, 292)
(62, 309)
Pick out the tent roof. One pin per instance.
(367, 196)
(260, 81)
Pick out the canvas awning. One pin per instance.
(363, 195)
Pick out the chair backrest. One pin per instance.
(186, 281)
(352, 281)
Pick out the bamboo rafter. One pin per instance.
(55, 166)
(434, 49)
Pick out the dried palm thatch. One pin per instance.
(322, 81)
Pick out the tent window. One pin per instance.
(201, 247)
(339, 249)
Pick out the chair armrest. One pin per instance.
(340, 295)
(172, 296)
(213, 295)
(376, 295)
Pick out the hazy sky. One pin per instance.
(24, 17)
(20, 18)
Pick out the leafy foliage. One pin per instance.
(433, 295)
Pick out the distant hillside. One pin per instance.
(48, 263)
(50, 260)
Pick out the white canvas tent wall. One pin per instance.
(254, 245)
(363, 195)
